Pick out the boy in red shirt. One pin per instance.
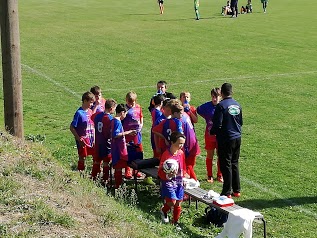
(119, 150)
(82, 127)
(102, 123)
(172, 188)
(99, 104)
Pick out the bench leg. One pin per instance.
(196, 204)
(264, 228)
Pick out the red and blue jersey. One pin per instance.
(102, 123)
(118, 145)
(132, 121)
(100, 106)
(84, 126)
(156, 114)
(166, 127)
(207, 111)
(191, 146)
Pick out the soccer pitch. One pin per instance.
(67, 46)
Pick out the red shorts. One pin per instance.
(190, 160)
(85, 151)
(120, 164)
(210, 142)
(106, 159)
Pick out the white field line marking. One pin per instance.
(250, 182)
(221, 79)
(287, 201)
(34, 71)
(268, 191)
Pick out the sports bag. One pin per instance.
(213, 216)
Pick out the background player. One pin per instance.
(206, 111)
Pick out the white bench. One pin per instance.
(199, 195)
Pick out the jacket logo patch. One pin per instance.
(234, 110)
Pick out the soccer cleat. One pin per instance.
(177, 226)
(210, 179)
(164, 216)
(237, 194)
(128, 174)
(220, 179)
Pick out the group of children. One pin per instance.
(105, 129)
(231, 8)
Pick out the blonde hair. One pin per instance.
(131, 97)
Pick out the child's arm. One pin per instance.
(130, 132)
(193, 115)
(77, 137)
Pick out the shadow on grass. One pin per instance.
(257, 204)
(149, 201)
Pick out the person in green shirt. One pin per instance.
(196, 7)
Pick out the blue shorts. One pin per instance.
(172, 189)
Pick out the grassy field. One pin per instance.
(270, 59)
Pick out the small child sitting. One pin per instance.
(247, 8)
(226, 10)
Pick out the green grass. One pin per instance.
(68, 46)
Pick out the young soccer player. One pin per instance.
(161, 5)
(172, 189)
(102, 123)
(264, 5)
(133, 121)
(165, 128)
(119, 150)
(191, 146)
(155, 114)
(99, 104)
(206, 111)
(161, 87)
(82, 127)
(189, 109)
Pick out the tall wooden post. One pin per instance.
(11, 67)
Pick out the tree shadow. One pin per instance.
(258, 204)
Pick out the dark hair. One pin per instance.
(175, 135)
(121, 108)
(226, 89)
(110, 103)
(95, 90)
(87, 96)
(162, 82)
(215, 92)
(158, 99)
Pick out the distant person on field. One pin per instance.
(227, 125)
(196, 8)
(172, 188)
(102, 123)
(119, 150)
(207, 111)
(161, 87)
(264, 5)
(247, 8)
(226, 9)
(99, 104)
(234, 8)
(161, 5)
(82, 127)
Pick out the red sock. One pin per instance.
(106, 171)
(118, 177)
(176, 213)
(209, 167)
(219, 174)
(81, 165)
(166, 208)
(191, 172)
(95, 170)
